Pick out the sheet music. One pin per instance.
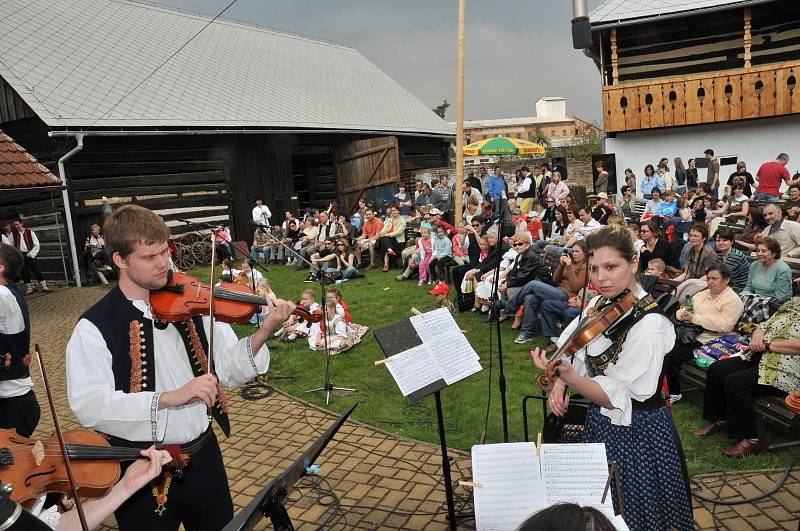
(414, 368)
(511, 486)
(575, 473)
(456, 357)
(434, 324)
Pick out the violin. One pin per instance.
(589, 329)
(185, 296)
(36, 466)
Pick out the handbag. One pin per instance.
(567, 429)
(686, 333)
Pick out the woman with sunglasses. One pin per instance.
(345, 261)
(620, 375)
(558, 228)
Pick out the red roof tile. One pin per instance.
(18, 168)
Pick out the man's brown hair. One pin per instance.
(12, 259)
(131, 225)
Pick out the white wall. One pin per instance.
(753, 141)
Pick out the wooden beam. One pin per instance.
(614, 58)
(460, 114)
(748, 38)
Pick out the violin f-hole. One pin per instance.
(38, 474)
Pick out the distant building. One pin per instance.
(681, 77)
(551, 119)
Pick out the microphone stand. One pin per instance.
(322, 276)
(235, 250)
(495, 311)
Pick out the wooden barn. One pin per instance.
(680, 77)
(194, 118)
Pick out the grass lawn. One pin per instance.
(377, 300)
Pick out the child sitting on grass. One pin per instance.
(441, 291)
(296, 326)
(263, 289)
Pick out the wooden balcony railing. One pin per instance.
(704, 98)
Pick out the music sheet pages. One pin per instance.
(512, 483)
(445, 354)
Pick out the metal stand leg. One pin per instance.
(448, 481)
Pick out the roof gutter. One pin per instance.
(599, 26)
(202, 132)
(68, 207)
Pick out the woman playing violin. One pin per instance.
(620, 375)
(137, 475)
(140, 380)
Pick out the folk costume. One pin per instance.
(119, 361)
(19, 408)
(639, 433)
(28, 244)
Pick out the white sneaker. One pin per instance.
(554, 340)
(674, 398)
(278, 333)
(421, 283)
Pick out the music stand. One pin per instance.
(269, 503)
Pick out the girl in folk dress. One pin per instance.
(620, 375)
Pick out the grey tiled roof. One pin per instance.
(612, 11)
(75, 62)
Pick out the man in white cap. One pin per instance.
(602, 210)
(436, 219)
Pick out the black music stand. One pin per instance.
(399, 337)
(270, 502)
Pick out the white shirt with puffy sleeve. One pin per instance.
(636, 374)
(98, 405)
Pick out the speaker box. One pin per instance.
(581, 33)
(610, 161)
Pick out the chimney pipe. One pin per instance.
(580, 9)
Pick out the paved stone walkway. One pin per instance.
(382, 481)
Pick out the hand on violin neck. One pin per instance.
(203, 388)
(142, 471)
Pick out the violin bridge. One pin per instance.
(38, 452)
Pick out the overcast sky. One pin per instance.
(516, 50)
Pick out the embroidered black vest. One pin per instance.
(129, 336)
(14, 348)
(617, 333)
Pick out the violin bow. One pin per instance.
(211, 304)
(57, 428)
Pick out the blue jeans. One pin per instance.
(349, 272)
(761, 196)
(553, 311)
(518, 299)
(264, 252)
(539, 293)
(539, 244)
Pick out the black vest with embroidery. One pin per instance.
(618, 333)
(15, 348)
(129, 337)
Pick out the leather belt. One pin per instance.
(192, 447)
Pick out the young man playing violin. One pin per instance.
(142, 381)
(19, 409)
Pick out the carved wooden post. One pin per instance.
(748, 38)
(614, 58)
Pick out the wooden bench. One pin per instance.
(778, 426)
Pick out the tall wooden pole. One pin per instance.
(459, 207)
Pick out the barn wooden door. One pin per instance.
(364, 164)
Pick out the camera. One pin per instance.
(565, 252)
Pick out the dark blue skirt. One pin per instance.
(655, 488)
